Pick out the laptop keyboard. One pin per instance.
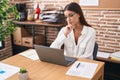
(68, 62)
(68, 58)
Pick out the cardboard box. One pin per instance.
(28, 41)
(18, 34)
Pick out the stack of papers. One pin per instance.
(115, 55)
(82, 69)
(7, 71)
(31, 54)
(103, 54)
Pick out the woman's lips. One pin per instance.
(70, 22)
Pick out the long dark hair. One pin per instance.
(77, 9)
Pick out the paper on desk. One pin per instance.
(115, 54)
(103, 54)
(7, 71)
(85, 69)
(31, 54)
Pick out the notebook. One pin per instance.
(53, 55)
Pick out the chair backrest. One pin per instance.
(95, 51)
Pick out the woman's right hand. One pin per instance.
(68, 29)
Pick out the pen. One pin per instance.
(78, 65)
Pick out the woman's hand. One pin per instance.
(68, 29)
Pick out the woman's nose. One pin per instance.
(68, 19)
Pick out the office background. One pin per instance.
(106, 22)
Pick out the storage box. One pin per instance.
(18, 34)
(28, 41)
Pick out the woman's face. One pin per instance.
(71, 17)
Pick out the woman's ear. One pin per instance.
(79, 16)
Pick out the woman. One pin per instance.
(77, 36)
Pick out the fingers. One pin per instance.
(68, 29)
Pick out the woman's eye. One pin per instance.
(71, 15)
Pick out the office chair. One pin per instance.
(95, 51)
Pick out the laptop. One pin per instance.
(53, 55)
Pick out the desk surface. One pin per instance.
(38, 23)
(39, 70)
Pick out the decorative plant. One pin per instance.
(23, 74)
(22, 70)
(6, 25)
